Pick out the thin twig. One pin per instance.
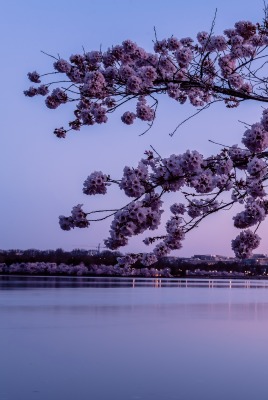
(55, 58)
(187, 119)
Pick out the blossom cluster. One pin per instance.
(135, 218)
(96, 183)
(256, 138)
(244, 243)
(135, 181)
(253, 214)
(77, 219)
(212, 67)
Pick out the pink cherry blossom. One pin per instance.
(228, 67)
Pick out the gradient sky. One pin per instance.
(41, 176)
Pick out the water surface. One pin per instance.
(129, 339)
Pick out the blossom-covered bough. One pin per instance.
(228, 68)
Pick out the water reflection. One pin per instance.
(30, 282)
(132, 339)
(217, 311)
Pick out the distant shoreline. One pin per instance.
(183, 278)
(126, 271)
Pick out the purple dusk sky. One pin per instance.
(42, 176)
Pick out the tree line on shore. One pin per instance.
(178, 267)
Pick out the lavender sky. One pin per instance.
(42, 176)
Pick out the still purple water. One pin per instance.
(126, 339)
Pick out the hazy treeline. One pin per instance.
(59, 256)
(177, 267)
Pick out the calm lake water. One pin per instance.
(133, 339)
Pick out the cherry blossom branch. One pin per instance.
(213, 68)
